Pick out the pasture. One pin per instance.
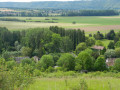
(94, 81)
(90, 24)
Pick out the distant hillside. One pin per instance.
(85, 4)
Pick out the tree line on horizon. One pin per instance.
(57, 12)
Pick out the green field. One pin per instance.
(59, 84)
(88, 23)
(94, 81)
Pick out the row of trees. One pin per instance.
(55, 41)
(41, 41)
(58, 12)
(90, 13)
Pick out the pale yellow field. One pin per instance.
(25, 25)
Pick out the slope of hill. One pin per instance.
(84, 4)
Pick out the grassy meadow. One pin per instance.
(94, 81)
(90, 24)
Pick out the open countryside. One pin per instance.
(89, 24)
(51, 45)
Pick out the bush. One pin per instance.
(100, 64)
(111, 45)
(110, 53)
(11, 64)
(45, 62)
(73, 22)
(117, 64)
(80, 47)
(50, 70)
(84, 61)
(14, 79)
(117, 52)
(26, 51)
(27, 61)
(36, 72)
(8, 55)
(66, 61)
(117, 44)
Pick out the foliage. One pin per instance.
(76, 36)
(100, 64)
(67, 61)
(8, 55)
(111, 35)
(54, 45)
(36, 72)
(117, 44)
(84, 61)
(80, 47)
(66, 44)
(50, 69)
(111, 45)
(90, 41)
(11, 64)
(73, 22)
(110, 53)
(26, 51)
(45, 62)
(117, 64)
(98, 36)
(14, 79)
(27, 61)
(117, 52)
(56, 56)
(99, 43)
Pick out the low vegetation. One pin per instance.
(39, 55)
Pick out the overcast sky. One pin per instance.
(31, 0)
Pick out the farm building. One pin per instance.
(18, 59)
(36, 59)
(98, 48)
(110, 61)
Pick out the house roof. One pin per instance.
(18, 59)
(98, 47)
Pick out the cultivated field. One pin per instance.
(89, 24)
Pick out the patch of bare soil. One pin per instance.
(100, 28)
(111, 17)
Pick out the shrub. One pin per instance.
(45, 62)
(117, 64)
(67, 61)
(26, 51)
(50, 69)
(110, 53)
(73, 22)
(84, 61)
(117, 52)
(100, 64)
(36, 72)
(80, 47)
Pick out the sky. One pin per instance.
(31, 0)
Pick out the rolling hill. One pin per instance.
(83, 4)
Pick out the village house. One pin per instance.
(36, 59)
(98, 48)
(110, 61)
(18, 59)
